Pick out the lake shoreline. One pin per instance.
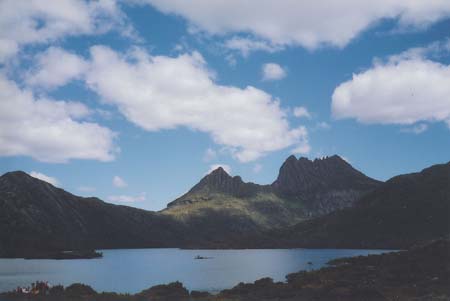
(95, 254)
(422, 272)
(56, 255)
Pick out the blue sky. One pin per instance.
(135, 101)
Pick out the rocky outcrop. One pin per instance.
(322, 185)
(303, 176)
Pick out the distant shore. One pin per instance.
(422, 273)
(57, 255)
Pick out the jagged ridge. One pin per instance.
(320, 186)
(303, 176)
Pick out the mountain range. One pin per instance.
(302, 190)
(319, 203)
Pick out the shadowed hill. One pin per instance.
(36, 215)
(403, 211)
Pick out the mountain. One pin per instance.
(219, 181)
(226, 204)
(404, 211)
(35, 215)
(323, 185)
(302, 190)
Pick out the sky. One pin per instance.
(135, 101)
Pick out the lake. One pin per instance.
(130, 271)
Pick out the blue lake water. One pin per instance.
(130, 271)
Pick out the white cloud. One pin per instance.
(434, 50)
(246, 45)
(55, 67)
(44, 177)
(257, 168)
(416, 129)
(159, 92)
(42, 21)
(305, 23)
(119, 182)
(301, 112)
(127, 198)
(225, 167)
(48, 130)
(404, 90)
(272, 71)
(7, 49)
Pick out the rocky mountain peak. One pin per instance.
(16, 180)
(219, 172)
(15, 175)
(220, 181)
(304, 176)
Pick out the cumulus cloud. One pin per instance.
(127, 198)
(160, 92)
(405, 89)
(436, 49)
(305, 23)
(48, 130)
(301, 112)
(225, 167)
(42, 21)
(55, 67)
(272, 71)
(248, 122)
(7, 49)
(44, 177)
(119, 182)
